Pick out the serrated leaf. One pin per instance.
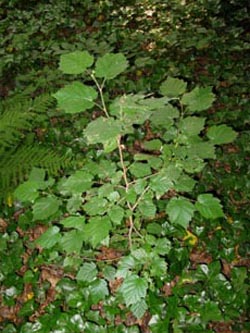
(102, 130)
(202, 150)
(79, 182)
(199, 99)
(125, 265)
(45, 207)
(164, 117)
(97, 230)
(76, 222)
(162, 246)
(75, 97)
(154, 144)
(180, 211)
(116, 214)
(147, 208)
(138, 309)
(221, 134)
(192, 125)
(72, 241)
(87, 272)
(98, 290)
(158, 267)
(184, 184)
(96, 206)
(133, 289)
(173, 87)
(110, 65)
(49, 238)
(209, 206)
(28, 191)
(140, 170)
(75, 62)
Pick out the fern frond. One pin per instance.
(16, 165)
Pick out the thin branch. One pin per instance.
(100, 88)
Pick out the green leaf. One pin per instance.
(45, 207)
(98, 290)
(116, 214)
(102, 130)
(75, 97)
(155, 144)
(133, 289)
(184, 184)
(97, 230)
(96, 206)
(71, 242)
(164, 117)
(147, 208)
(140, 170)
(138, 309)
(162, 246)
(49, 238)
(199, 99)
(110, 65)
(76, 222)
(210, 312)
(221, 134)
(180, 211)
(125, 265)
(158, 267)
(87, 273)
(209, 206)
(202, 150)
(75, 62)
(192, 125)
(27, 191)
(173, 87)
(79, 182)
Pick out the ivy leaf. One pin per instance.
(173, 87)
(180, 211)
(98, 290)
(87, 272)
(97, 230)
(71, 242)
(209, 206)
(75, 97)
(133, 289)
(138, 309)
(79, 182)
(102, 130)
(75, 62)
(45, 207)
(221, 134)
(199, 99)
(192, 125)
(49, 238)
(110, 65)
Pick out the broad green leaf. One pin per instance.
(221, 134)
(88, 272)
(184, 184)
(129, 109)
(192, 125)
(164, 117)
(37, 175)
(76, 222)
(102, 130)
(201, 150)
(173, 87)
(110, 65)
(155, 144)
(49, 238)
(96, 206)
(75, 62)
(98, 290)
(158, 267)
(140, 170)
(162, 246)
(199, 99)
(138, 309)
(28, 191)
(97, 230)
(147, 208)
(45, 207)
(160, 184)
(116, 214)
(75, 97)
(125, 265)
(210, 312)
(209, 206)
(133, 289)
(74, 203)
(180, 211)
(72, 241)
(79, 182)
